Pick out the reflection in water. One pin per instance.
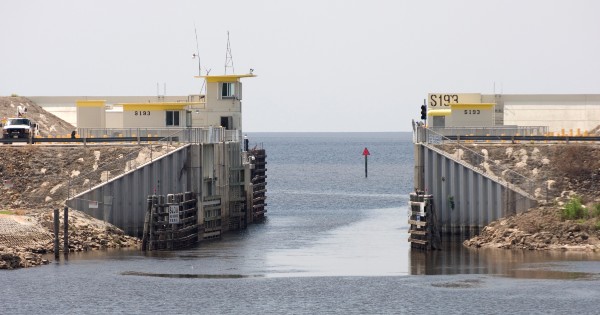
(454, 258)
(185, 275)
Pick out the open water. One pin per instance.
(334, 242)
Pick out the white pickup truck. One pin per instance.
(20, 128)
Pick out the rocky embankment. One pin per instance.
(555, 175)
(539, 229)
(35, 179)
(25, 238)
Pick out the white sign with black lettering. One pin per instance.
(444, 100)
(435, 139)
(173, 214)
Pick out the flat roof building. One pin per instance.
(221, 106)
(558, 112)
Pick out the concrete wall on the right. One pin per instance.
(478, 199)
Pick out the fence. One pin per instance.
(135, 157)
(491, 131)
(187, 135)
(525, 185)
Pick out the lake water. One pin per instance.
(333, 242)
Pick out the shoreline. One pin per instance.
(27, 239)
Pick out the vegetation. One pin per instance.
(5, 212)
(595, 212)
(14, 95)
(573, 209)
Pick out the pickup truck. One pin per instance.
(20, 128)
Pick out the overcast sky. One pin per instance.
(321, 65)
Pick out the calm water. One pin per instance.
(334, 242)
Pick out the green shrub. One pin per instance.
(573, 209)
(595, 212)
(14, 95)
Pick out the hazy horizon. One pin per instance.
(322, 66)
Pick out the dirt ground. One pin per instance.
(552, 173)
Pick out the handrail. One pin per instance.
(420, 130)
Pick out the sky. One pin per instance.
(362, 66)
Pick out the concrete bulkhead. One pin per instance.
(466, 199)
(213, 171)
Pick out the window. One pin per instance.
(228, 90)
(172, 118)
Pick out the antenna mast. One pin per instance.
(197, 54)
(228, 57)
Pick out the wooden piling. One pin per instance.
(66, 231)
(181, 232)
(424, 232)
(56, 226)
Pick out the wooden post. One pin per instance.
(66, 231)
(56, 226)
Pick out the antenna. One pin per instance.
(228, 57)
(204, 81)
(197, 54)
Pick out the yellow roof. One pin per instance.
(157, 106)
(439, 112)
(225, 77)
(90, 103)
(472, 105)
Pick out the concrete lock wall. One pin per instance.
(478, 199)
(209, 170)
(122, 200)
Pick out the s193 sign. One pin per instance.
(442, 100)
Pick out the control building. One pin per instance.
(556, 112)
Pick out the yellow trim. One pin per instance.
(225, 78)
(90, 103)
(439, 112)
(157, 106)
(473, 106)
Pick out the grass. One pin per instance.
(573, 209)
(16, 212)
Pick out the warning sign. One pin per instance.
(174, 214)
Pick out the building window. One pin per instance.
(172, 118)
(228, 90)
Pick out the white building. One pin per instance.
(559, 112)
(221, 106)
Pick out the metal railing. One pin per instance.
(185, 135)
(491, 131)
(476, 161)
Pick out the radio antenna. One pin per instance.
(228, 57)
(197, 54)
